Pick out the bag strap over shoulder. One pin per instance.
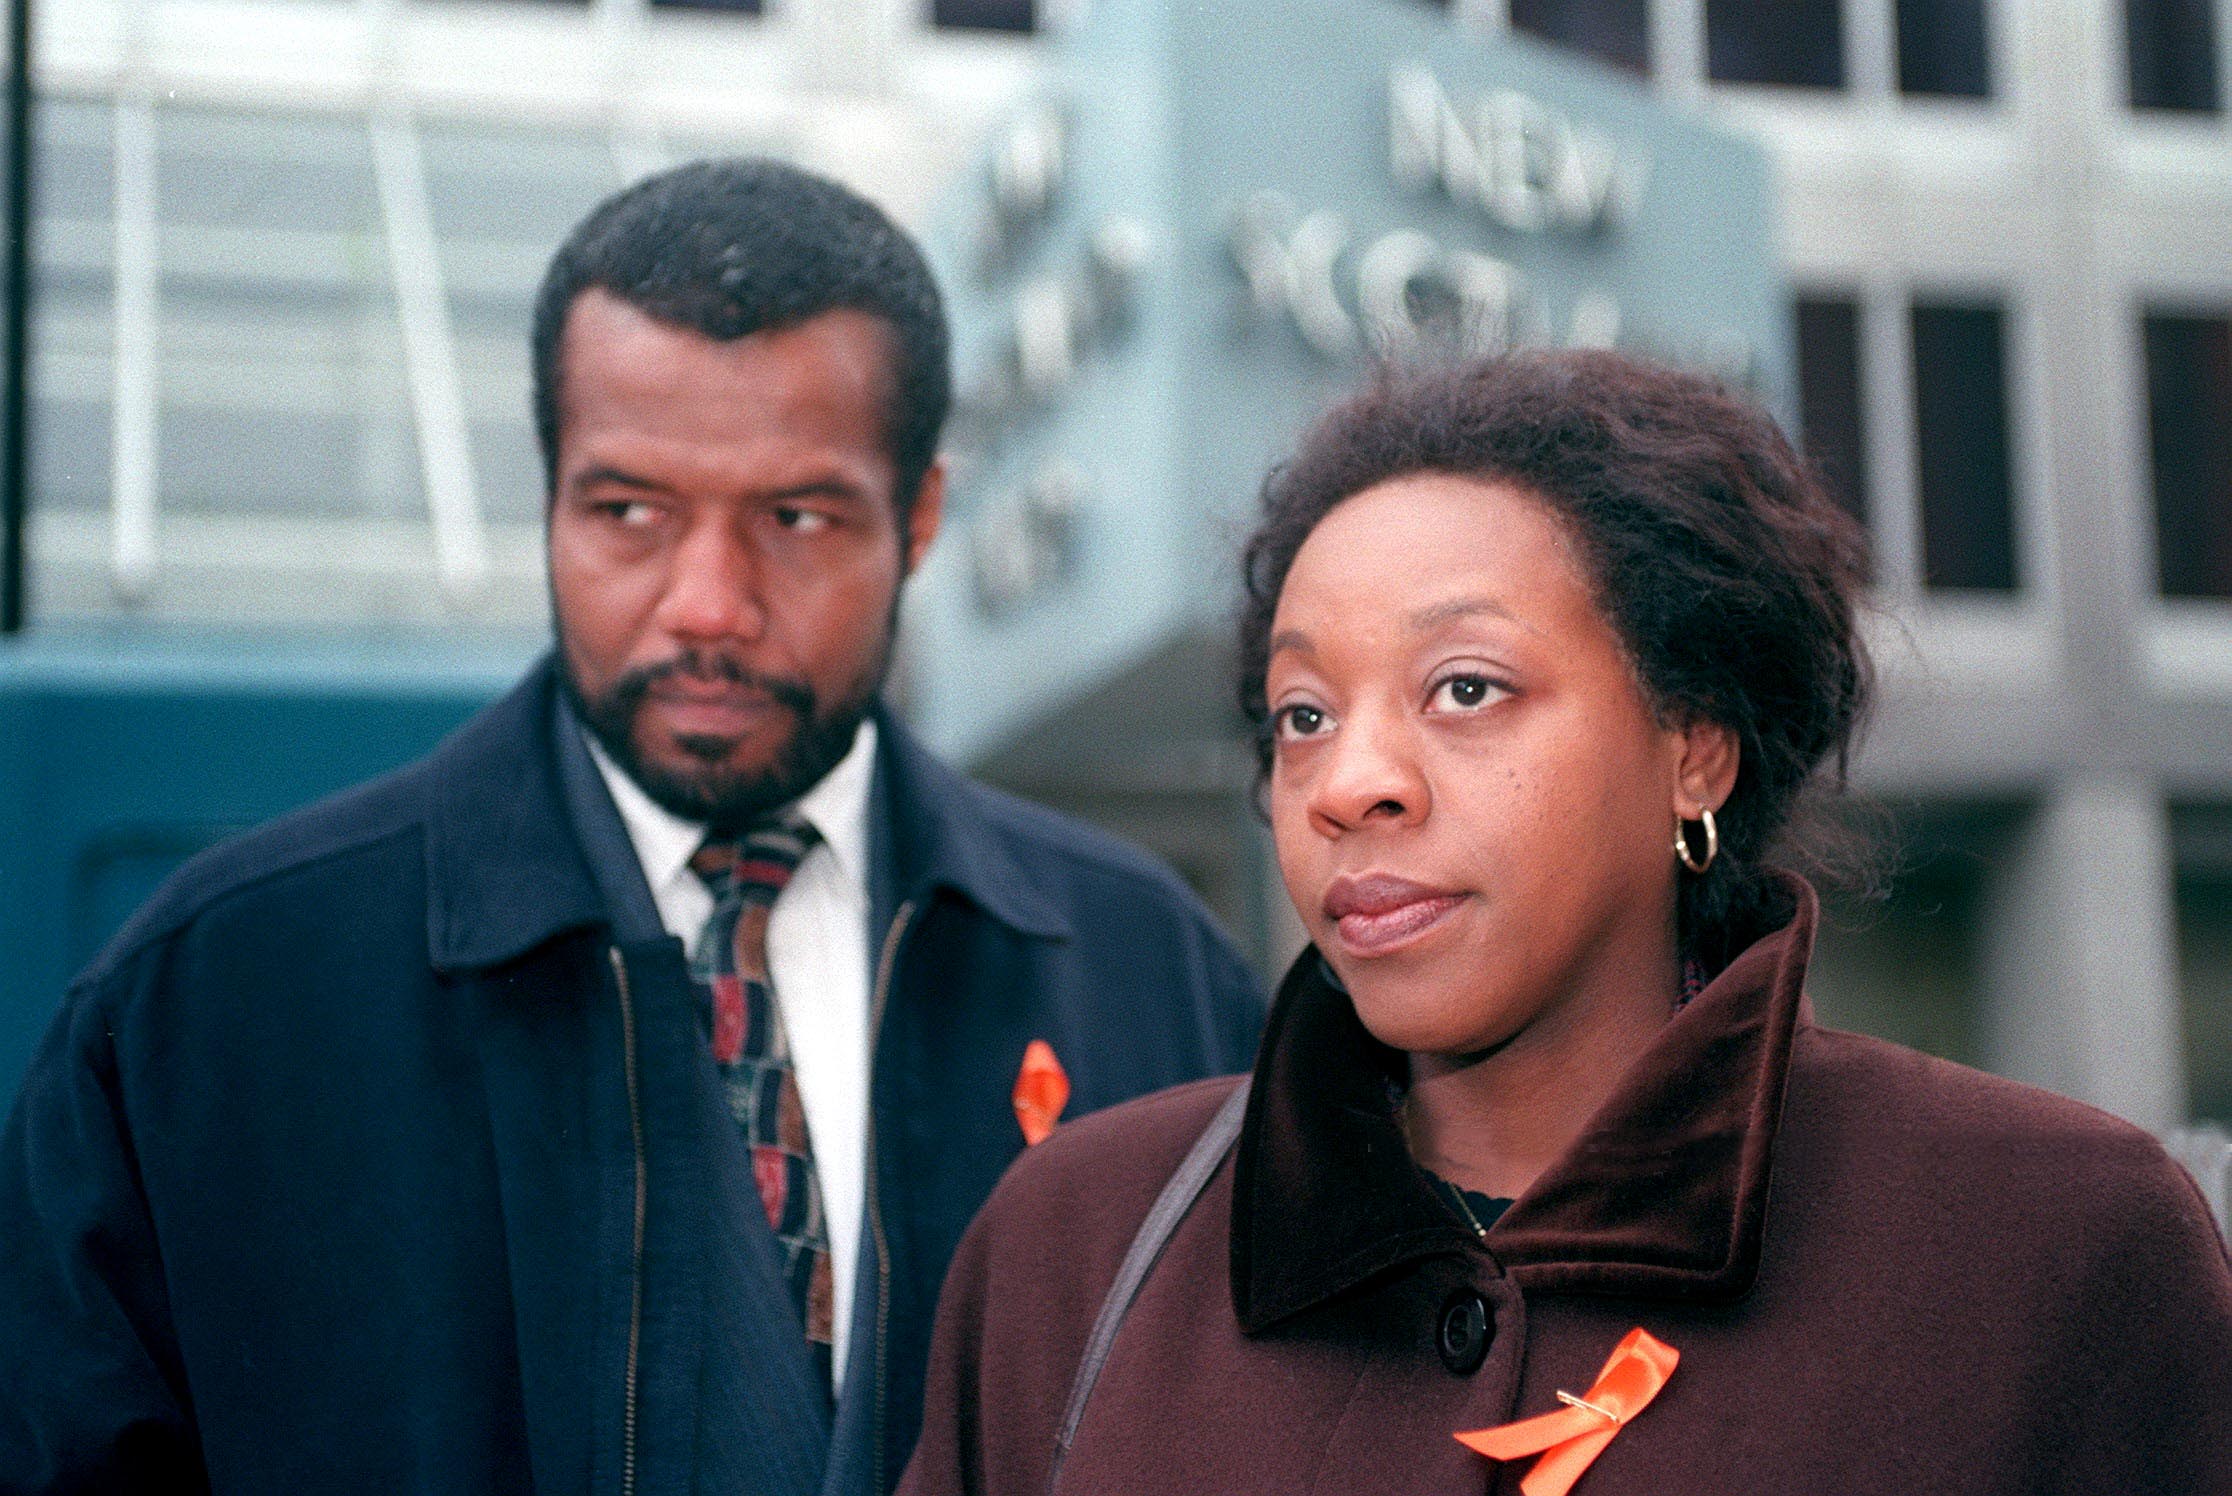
(1177, 1197)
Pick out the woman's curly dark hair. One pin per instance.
(1727, 571)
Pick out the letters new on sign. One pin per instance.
(1208, 224)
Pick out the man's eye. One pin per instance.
(631, 513)
(1464, 693)
(1299, 721)
(802, 521)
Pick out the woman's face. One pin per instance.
(1473, 802)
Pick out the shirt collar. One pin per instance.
(836, 807)
(1664, 1193)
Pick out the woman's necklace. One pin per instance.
(1446, 1187)
(1457, 1193)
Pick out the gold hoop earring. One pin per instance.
(1682, 842)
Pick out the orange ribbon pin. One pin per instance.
(1042, 1089)
(1569, 1439)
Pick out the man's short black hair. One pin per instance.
(728, 248)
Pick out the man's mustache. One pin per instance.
(631, 686)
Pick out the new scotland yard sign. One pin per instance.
(1211, 222)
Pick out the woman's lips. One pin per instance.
(1379, 913)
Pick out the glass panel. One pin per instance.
(1907, 963)
(492, 357)
(984, 15)
(73, 311)
(516, 187)
(1905, 968)
(1613, 31)
(1829, 397)
(72, 176)
(69, 450)
(2189, 417)
(1797, 43)
(503, 201)
(1961, 425)
(1943, 48)
(300, 173)
(282, 399)
(283, 389)
(779, 141)
(72, 335)
(2172, 54)
(509, 469)
(2205, 977)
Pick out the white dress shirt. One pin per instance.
(817, 956)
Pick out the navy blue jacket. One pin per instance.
(368, 1157)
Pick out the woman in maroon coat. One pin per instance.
(1546, 1179)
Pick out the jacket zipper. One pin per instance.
(898, 929)
(635, 1260)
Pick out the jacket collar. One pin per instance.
(505, 870)
(939, 830)
(1662, 1195)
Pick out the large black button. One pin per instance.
(1462, 1337)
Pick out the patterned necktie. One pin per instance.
(745, 873)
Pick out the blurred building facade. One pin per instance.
(2013, 299)
(286, 248)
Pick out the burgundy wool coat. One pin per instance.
(1883, 1273)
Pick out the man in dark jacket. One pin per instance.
(595, 1104)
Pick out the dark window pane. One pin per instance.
(984, 15)
(1829, 397)
(1614, 31)
(2205, 977)
(1799, 43)
(1942, 48)
(2171, 46)
(2189, 416)
(1960, 408)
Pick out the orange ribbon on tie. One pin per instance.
(1571, 1438)
(1042, 1089)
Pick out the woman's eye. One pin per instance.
(1299, 721)
(1464, 693)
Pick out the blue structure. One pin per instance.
(1213, 220)
(124, 752)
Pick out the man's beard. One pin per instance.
(708, 792)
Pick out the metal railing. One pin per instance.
(656, 87)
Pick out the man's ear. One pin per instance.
(928, 513)
(1705, 771)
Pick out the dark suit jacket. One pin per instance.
(371, 1156)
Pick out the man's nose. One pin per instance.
(1370, 773)
(713, 588)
